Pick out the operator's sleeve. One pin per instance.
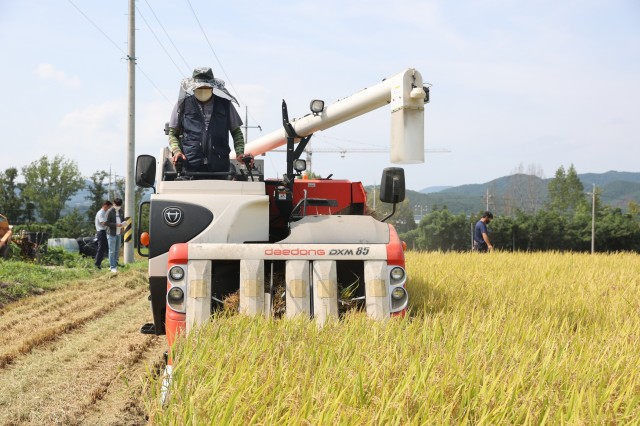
(236, 133)
(238, 140)
(174, 131)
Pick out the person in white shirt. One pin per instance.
(114, 223)
(101, 233)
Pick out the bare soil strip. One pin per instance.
(48, 322)
(82, 362)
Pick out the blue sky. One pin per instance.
(541, 83)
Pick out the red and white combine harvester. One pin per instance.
(304, 245)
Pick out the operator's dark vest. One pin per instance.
(214, 145)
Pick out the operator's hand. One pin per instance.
(242, 158)
(490, 247)
(178, 157)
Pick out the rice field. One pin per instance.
(503, 338)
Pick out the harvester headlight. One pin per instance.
(398, 293)
(175, 295)
(397, 274)
(316, 106)
(300, 165)
(176, 273)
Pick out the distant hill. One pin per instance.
(522, 191)
(432, 189)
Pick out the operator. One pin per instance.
(204, 120)
(481, 241)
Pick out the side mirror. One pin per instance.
(392, 186)
(145, 171)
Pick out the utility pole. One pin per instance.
(374, 196)
(246, 125)
(129, 207)
(593, 219)
(488, 196)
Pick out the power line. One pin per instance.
(217, 59)
(98, 28)
(168, 36)
(180, 72)
(152, 83)
(119, 48)
(211, 47)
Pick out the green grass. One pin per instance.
(492, 339)
(20, 279)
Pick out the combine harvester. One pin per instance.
(307, 244)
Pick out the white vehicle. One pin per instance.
(303, 245)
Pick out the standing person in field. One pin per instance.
(201, 122)
(481, 241)
(101, 233)
(114, 223)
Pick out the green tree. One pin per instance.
(72, 225)
(566, 192)
(441, 230)
(617, 231)
(10, 201)
(502, 232)
(97, 193)
(49, 184)
(403, 219)
(545, 230)
(633, 209)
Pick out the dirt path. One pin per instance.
(75, 356)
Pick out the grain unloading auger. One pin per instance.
(282, 246)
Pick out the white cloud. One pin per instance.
(95, 136)
(49, 72)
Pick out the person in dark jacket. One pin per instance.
(200, 125)
(114, 224)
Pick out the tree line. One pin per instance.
(36, 202)
(564, 223)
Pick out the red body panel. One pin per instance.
(395, 256)
(175, 322)
(395, 253)
(350, 196)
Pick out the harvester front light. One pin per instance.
(176, 295)
(176, 273)
(398, 293)
(397, 274)
(175, 299)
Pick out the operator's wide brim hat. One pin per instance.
(203, 77)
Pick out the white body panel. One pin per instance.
(377, 289)
(198, 295)
(240, 212)
(297, 283)
(311, 279)
(251, 286)
(325, 291)
(288, 251)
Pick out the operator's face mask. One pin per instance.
(203, 94)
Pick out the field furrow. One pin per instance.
(48, 326)
(89, 370)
